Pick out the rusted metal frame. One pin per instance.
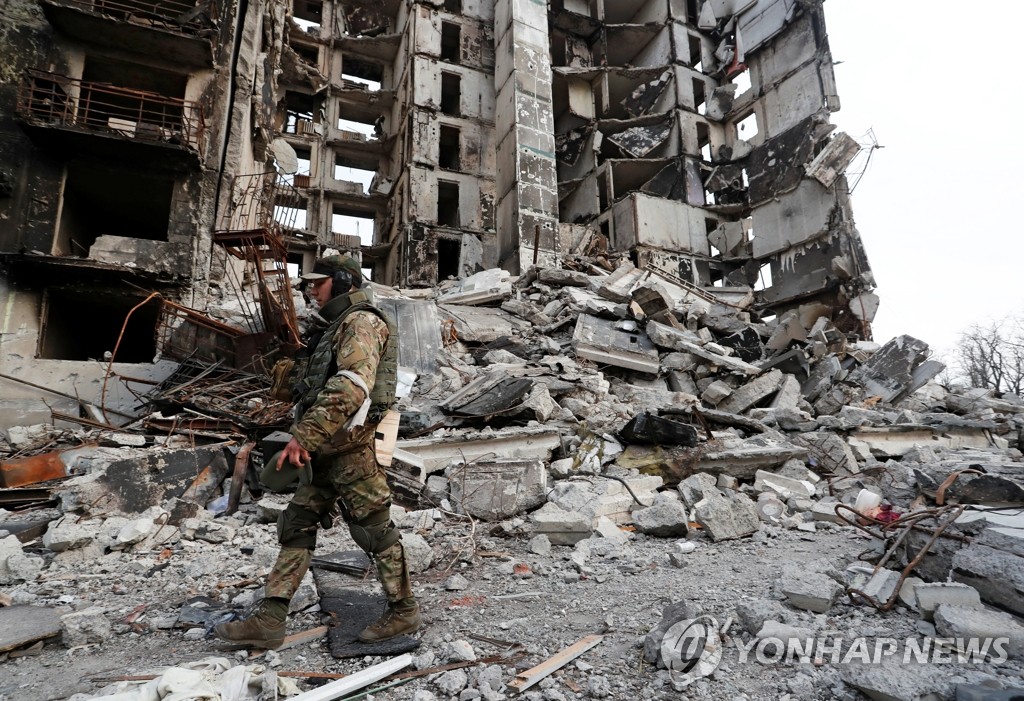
(58, 416)
(169, 11)
(856, 594)
(276, 305)
(188, 119)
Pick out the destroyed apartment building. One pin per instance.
(635, 353)
(167, 147)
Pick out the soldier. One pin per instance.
(350, 374)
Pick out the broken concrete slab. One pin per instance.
(893, 679)
(752, 615)
(726, 516)
(604, 497)
(833, 160)
(561, 527)
(617, 286)
(967, 623)
(607, 342)
(669, 337)
(930, 596)
(16, 565)
(785, 487)
(811, 591)
(997, 575)
(753, 392)
(22, 625)
(86, 626)
(486, 286)
(825, 372)
(666, 518)
(890, 373)
(742, 458)
(498, 490)
(436, 454)
(479, 324)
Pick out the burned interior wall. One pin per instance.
(114, 134)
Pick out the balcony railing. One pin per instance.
(51, 99)
(176, 15)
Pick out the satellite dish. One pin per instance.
(286, 159)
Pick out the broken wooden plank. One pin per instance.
(524, 680)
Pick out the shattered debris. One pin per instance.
(635, 350)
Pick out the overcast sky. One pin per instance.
(936, 208)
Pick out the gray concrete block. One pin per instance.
(965, 623)
(892, 679)
(811, 591)
(560, 526)
(726, 517)
(753, 614)
(83, 627)
(929, 596)
(998, 576)
(666, 518)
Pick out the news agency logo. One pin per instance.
(692, 650)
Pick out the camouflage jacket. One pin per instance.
(359, 344)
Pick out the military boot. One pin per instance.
(263, 628)
(400, 618)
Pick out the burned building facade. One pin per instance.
(199, 150)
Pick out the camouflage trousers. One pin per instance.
(352, 483)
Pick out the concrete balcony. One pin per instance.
(99, 119)
(179, 31)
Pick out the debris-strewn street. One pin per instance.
(586, 457)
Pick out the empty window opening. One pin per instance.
(692, 11)
(448, 253)
(294, 265)
(308, 14)
(699, 96)
(309, 55)
(454, 6)
(345, 171)
(300, 113)
(696, 54)
(764, 277)
(291, 215)
(85, 324)
(747, 129)
(116, 202)
(447, 203)
(449, 155)
(352, 125)
(451, 94)
(704, 141)
(366, 73)
(352, 223)
(602, 191)
(742, 82)
(451, 42)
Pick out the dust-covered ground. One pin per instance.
(558, 598)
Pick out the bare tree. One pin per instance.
(993, 356)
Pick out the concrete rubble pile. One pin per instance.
(587, 407)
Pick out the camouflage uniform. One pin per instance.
(346, 475)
